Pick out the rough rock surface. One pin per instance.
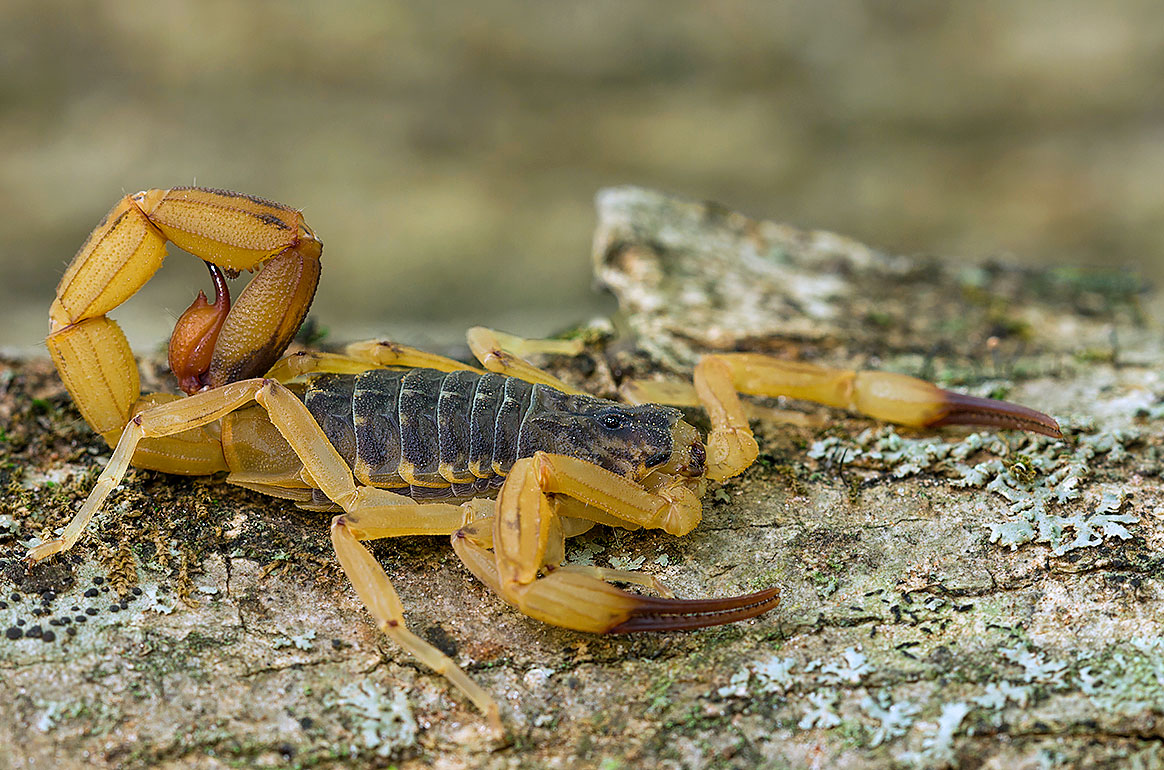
(964, 599)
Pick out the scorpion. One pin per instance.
(505, 459)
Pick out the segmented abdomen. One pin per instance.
(425, 433)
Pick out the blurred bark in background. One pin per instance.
(448, 154)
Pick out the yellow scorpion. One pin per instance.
(505, 458)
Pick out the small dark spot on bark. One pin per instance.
(441, 640)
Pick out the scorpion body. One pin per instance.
(435, 435)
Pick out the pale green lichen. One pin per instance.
(1036, 667)
(774, 674)
(301, 642)
(737, 686)
(854, 667)
(9, 526)
(385, 725)
(1128, 678)
(998, 694)
(1035, 477)
(627, 562)
(155, 599)
(893, 719)
(49, 718)
(938, 747)
(821, 712)
(941, 746)
(584, 550)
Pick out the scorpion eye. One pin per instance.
(612, 421)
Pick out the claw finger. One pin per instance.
(961, 409)
(654, 614)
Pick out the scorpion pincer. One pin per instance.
(506, 459)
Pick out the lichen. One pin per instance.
(851, 670)
(938, 746)
(1127, 678)
(774, 674)
(941, 746)
(821, 711)
(385, 725)
(1047, 484)
(1036, 667)
(998, 694)
(894, 719)
(303, 641)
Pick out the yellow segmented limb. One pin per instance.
(887, 396)
(526, 541)
(498, 352)
(230, 230)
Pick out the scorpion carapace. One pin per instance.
(379, 431)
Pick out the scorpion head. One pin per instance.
(632, 441)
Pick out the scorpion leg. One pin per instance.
(372, 513)
(376, 591)
(524, 538)
(360, 357)
(497, 351)
(384, 353)
(369, 512)
(164, 419)
(479, 535)
(500, 352)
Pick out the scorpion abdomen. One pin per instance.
(438, 435)
(426, 433)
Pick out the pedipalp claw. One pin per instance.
(656, 614)
(909, 401)
(961, 409)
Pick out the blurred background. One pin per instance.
(448, 153)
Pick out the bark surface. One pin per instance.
(953, 599)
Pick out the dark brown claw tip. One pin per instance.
(655, 614)
(972, 410)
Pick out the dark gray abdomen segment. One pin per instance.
(425, 433)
